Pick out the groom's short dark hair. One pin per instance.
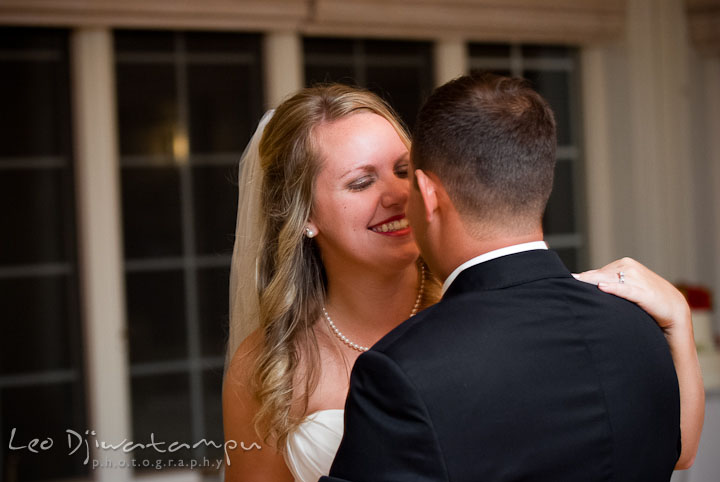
(491, 141)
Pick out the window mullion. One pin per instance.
(189, 249)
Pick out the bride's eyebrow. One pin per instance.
(365, 168)
(405, 158)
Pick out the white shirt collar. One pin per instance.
(507, 250)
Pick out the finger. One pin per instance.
(610, 269)
(597, 276)
(624, 290)
(587, 277)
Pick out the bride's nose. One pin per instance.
(395, 192)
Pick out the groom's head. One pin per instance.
(487, 144)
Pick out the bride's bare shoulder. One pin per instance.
(241, 366)
(239, 409)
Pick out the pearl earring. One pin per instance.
(309, 233)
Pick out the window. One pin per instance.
(399, 71)
(553, 71)
(187, 105)
(41, 379)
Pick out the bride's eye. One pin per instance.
(402, 171)
(362, 183)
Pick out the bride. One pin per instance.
(325, 264)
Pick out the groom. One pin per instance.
(520, 372)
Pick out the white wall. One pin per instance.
(652, 137)
(652, 140)
(705, 149)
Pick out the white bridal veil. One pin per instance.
(243, 270)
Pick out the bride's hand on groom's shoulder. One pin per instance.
(630, 279)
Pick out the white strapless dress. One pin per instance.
(311, 448)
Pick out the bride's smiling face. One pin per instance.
(361, 193)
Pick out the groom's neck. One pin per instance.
(465, 246)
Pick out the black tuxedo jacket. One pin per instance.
(520, 373)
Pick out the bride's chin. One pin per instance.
(402, 260)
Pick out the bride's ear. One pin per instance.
(311, 230)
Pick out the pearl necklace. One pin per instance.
(361, 348)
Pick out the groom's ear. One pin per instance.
(428, 191)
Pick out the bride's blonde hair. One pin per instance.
(290, 275)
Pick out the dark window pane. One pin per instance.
(403, 88)
(221, 96)
(161, 406)
(34, 97)
(328, 46)
(151, 212)
(147, 110)
(546, 51)
(369, 63)
(34, 93)
(40, 328)
(213, 300)
(212, 391)
(503, 72)
(215, 195)
(400, 72)
(144, 41)
(156, 316)
(560, 213)
(21, 38)
(330, 60)
(489, 50)
(215, 42)
(42, 412)
(554, 86)
(397, 48)
(569, 256)
(328, 74)
(36, 333)
(39, 226)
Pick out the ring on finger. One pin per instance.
(621, 277)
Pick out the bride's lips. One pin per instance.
(392, 226)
